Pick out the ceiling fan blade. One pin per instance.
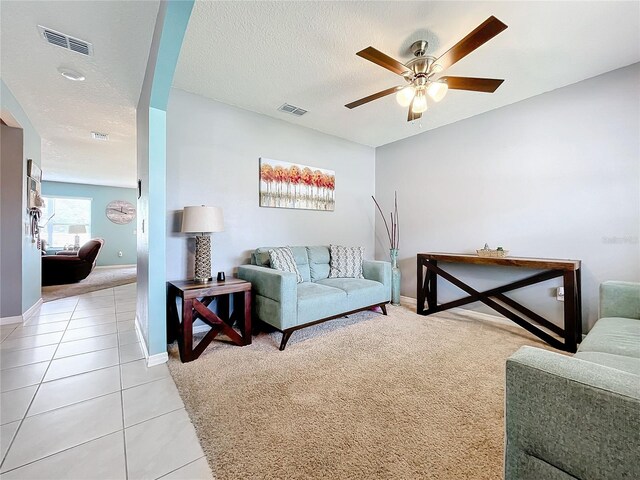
(375, 96)
(385, 61)
(481, 35)
(412, 115)
(487, 85)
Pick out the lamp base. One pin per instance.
(203, 259)
(202, 280)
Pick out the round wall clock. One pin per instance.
(120, 212)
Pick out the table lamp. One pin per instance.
(202, 220)
(77, 230)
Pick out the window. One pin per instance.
(71, 218)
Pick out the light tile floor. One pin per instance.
(77, 400)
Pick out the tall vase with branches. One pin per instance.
(394, 243)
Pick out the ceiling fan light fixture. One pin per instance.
(437, 90)
(404, 96)
(419, 103)
(418, 71)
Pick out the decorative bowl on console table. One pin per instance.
(488, 252)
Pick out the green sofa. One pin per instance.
(578, 417)
(289, 306)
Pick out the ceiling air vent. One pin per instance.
(100, 136)
(79, 46)
(65, 41)
(292, 109)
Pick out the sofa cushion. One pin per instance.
(282, 259)
(260, 257)
(619, 362)
(319, 260)
(360, 292)
(317, 301)
(615, 335)
(346, 262)
(302, 260)
(620, 299)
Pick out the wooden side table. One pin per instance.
(196, 297)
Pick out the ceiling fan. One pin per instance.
(420, 70)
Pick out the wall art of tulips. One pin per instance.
(288, 185)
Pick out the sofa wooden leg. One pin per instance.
(384, 309)
(285, 338)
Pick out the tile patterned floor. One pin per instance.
(77, 400)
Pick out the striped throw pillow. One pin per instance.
(281, 258)
(346, 262)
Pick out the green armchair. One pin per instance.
(578, 417)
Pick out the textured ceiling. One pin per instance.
(65, 112)
(258, 55)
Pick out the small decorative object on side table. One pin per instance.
(196, 297)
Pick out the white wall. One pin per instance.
(212, 158)
(557, 175)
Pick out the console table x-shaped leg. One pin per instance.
(571, 333)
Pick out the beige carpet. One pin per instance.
(370, 397)
(100, 278)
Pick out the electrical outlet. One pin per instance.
(560, 294)
(120, 254)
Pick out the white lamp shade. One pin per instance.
(404, 96)
(77, 229)
(437, 90)
(419, 103)
(202, 219)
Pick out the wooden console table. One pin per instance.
(569, 270)
(196, 297)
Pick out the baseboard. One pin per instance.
(204, 328)
(141, 337)
(152, 360)
(412, 302)
(31, 311)
(482, 316)
(11, 320)
(24, 317)
(157, 359)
